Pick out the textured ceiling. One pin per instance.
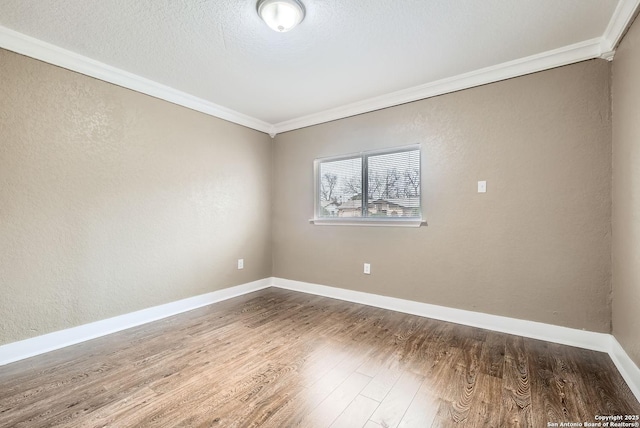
(343, 52)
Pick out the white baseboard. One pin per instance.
(532, 329)
(627, 368)
(536, 330)
(16, 351)
(59, 339)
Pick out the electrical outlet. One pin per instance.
(240, 263)
(367, 269)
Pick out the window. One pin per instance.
(377, 188)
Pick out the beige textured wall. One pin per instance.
(626, 193)
(112, 201)
(536, 246)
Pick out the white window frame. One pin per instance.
(364, 221)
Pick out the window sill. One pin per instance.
(414, 222)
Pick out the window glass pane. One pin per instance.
(394, 184)
(340, 188)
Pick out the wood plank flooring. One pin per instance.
(277, 358)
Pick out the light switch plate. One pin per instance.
(482, 187)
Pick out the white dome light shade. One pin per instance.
(281, 15)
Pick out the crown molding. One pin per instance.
(588, 49)
(620, 20)
(602, 47)
(43, 51)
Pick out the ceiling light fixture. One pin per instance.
(281, 15)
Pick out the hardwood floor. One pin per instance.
(277, 358)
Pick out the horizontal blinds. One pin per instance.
(340, 188)
(393, 185)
